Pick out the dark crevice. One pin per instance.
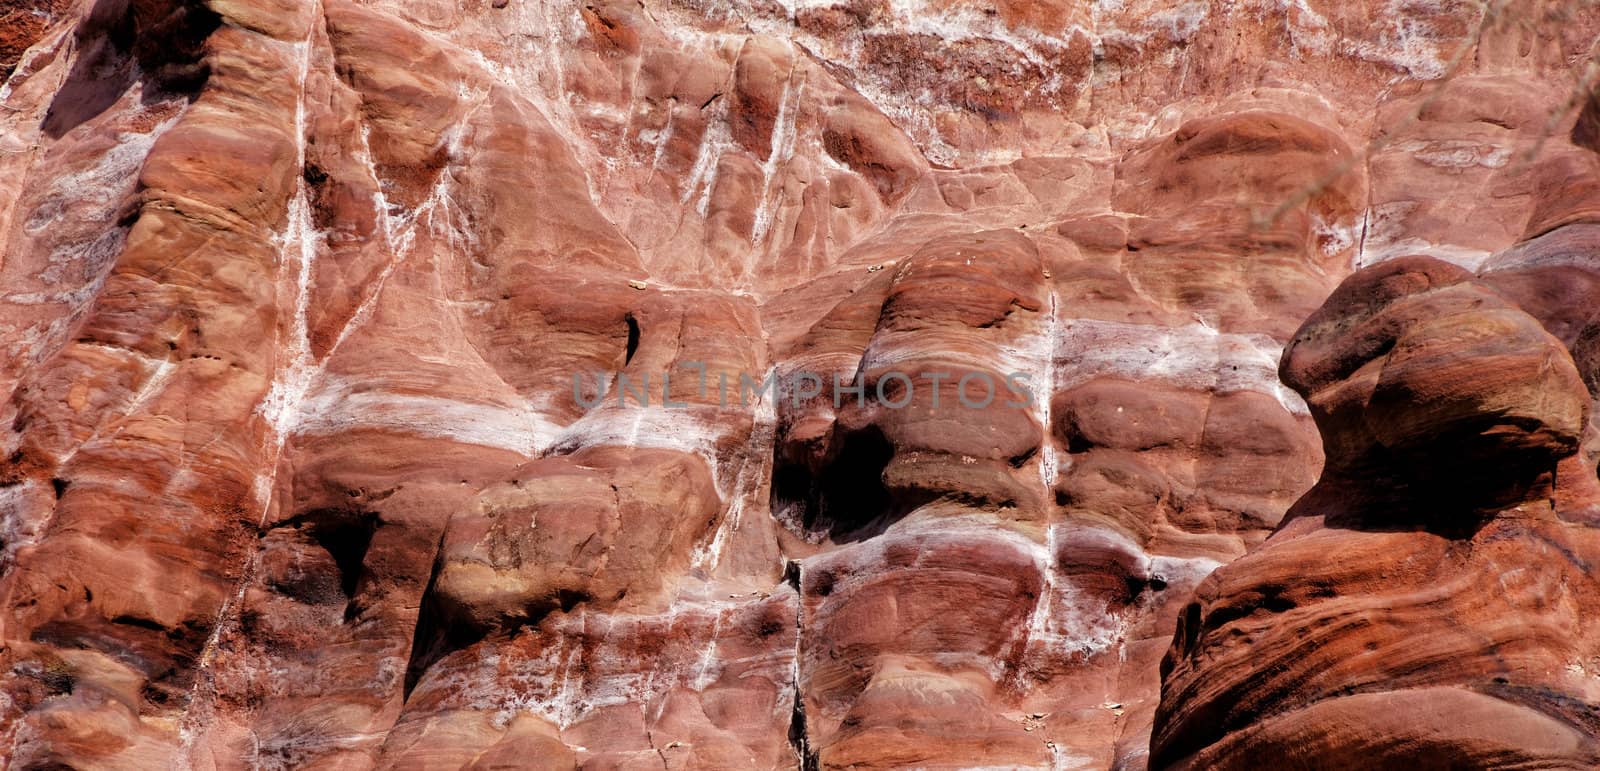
(142, 623)
(633, 339)
(1021, 459)
(799, 736)
(1555, 469)
(430, 640)
(1004, 317)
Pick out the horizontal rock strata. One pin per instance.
(370, 382)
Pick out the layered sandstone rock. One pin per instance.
(372, 370)
(1428, 602)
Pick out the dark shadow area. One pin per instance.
(442, 630)
(159, 44)
(845, 499)
(345, 535)
(346, 540)
(1450, 491)
(165, 656)
(431, 640)
(1586, 130)
(633, 339)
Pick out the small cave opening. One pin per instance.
(846, 499)
(346, 540)
(345, 535)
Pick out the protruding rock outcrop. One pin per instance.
(1431, 601)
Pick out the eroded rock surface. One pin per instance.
(315, 314)
(1428, 602)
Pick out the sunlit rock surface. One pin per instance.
(1430, 601)
(314, 315)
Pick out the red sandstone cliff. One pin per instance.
(293, 473)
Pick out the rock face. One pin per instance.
(512, 383)
(1428, 601)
